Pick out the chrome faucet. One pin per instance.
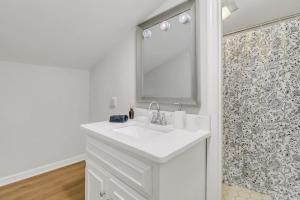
(157, 118)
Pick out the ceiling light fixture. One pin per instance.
(228, 7)
(184, 18)
(165, 26)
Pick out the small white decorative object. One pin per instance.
(164, 26)
(184, 18)
(179, 117)
(114, 102)
(147, 33)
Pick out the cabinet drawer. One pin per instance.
(119, 191)
(133, 172)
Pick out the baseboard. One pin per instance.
(40, 170)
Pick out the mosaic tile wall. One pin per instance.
(262, 109)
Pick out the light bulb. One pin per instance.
(147, 33)
(165, 26)
(184, 18)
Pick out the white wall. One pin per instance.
(114, 76)
(108, 77)
(41, 109)
(167, 4)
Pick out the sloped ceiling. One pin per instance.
(254, 12)
(66, 33)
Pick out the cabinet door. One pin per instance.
(120, 191)
(95, 183)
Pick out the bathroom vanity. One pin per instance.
(138, 160)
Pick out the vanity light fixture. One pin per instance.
(164, 26)
(147, 33)
(184, 18)
(228, 7)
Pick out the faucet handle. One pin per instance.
(164, 119)
(158, 117)
(154, 117)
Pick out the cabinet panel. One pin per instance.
(95, 184)
(130, 170)
(119, 191)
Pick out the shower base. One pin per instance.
(239, 193)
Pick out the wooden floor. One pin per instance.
(63, 184)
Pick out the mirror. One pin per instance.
(166, 53)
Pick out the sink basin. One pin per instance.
(143, 131)
(160, 128)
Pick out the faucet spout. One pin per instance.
(156, 103)
(157, 118)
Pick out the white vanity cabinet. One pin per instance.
(117, 173)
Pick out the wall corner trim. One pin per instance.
(40, 170)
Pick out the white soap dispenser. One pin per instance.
(179, 117)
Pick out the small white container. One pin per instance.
(179, 118)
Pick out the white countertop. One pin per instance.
(159, 149)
